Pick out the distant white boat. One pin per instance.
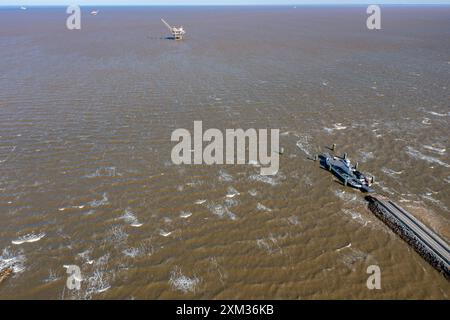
(23, 8)
(94, 12)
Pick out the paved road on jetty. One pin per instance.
(428, 237)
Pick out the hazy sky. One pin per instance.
(209, 2)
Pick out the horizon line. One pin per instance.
(229, 5)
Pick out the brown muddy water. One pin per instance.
(86, 176)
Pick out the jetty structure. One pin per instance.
(427, 243)
(177, 32)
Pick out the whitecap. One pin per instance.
(437, 202)
(232, 192)
(180, 282)
(366, 155)
(437, 114)
(304, 145)
(118, 235)
(347, 197)
(52, 276)
(418, 155)
(426, 121)
(262, 207)
(221, 211)
(336, 126)
(103, 172)
(270, 245)
(185, 214)
(165, 233)
(85, 255)
(13, 260)
(356, 216)
(88, 213)
(28, 238)
(353, 257)
(229, 202)
(195, 183)
(225, 176)
(97, 203)
(344, 247)
(72, 207)
(293, 220)
(272, 180)
(391, 172)
(167, 220)
(339, 126)
(438, 150)
(130, 218)
(103, 289)
(131, 252)
(97, 283)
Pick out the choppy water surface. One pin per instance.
(86, 176)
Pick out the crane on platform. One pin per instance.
(177, 32)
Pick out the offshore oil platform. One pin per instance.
(177, 32)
